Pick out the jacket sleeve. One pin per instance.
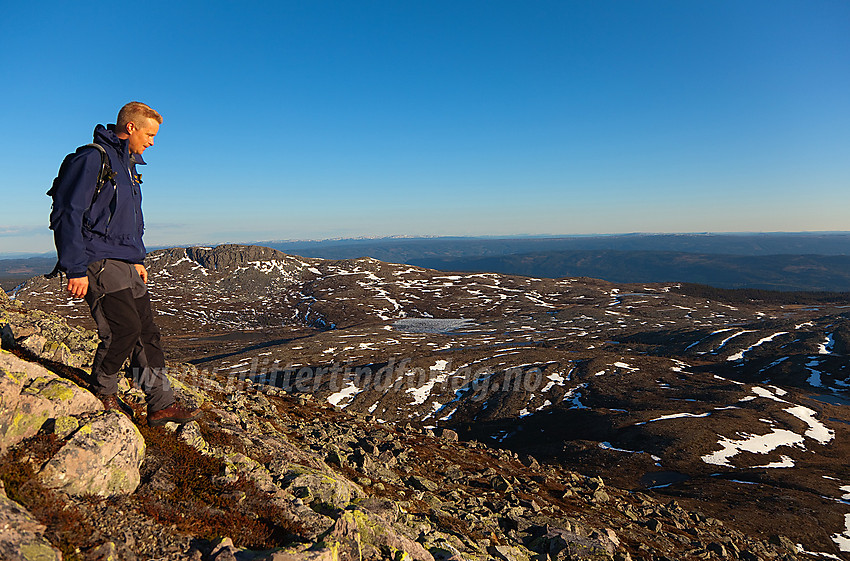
(72, 195)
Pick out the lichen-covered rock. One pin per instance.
(64, 425)
(311, 524)
(367, 534)
(239, 464)
(558, 541)
(30, 395)
(190, 433)
(327, 488)
(21, 535)
(510, 553)
(34, 343)
(309, 552)
(47, 336)
(101, 458)
(185, 393)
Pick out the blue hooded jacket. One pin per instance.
(86, 232)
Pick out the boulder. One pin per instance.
(311, 524)
(558, 542)
(360, 532)
(101, 458)
(7, 337)
(21, 535)
(510, 553)
(327, 488)
(30, 395)
(34, 343)
(304, 552)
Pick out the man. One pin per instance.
(98, 235)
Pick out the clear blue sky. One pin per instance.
(316, 119)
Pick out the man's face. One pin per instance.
(141, 133)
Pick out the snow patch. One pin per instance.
(347, 393)
(817, 430)
(843, 540)
(675, 416)
(756, 443)
(740, 355)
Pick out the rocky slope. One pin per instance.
(726, 407)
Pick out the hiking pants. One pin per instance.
(121, 307)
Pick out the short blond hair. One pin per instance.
(136, 110)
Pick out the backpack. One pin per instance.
(104, 176)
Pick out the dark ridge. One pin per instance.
(747, 295)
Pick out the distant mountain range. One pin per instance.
(779, 261)
(766, 272)
(404, 250)
(817, 261)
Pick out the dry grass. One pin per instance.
(202, 504)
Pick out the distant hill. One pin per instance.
(773, 261)
(15, 271)
(766, 272)
(405, 250)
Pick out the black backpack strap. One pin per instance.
(106, 174)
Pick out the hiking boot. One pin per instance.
(112, 402)
(174, 413)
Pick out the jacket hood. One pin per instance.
(106, 135)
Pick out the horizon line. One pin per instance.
(365, 238)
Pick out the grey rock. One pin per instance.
(421, 483)
(312, 523)
(385, 508)
(654, 525)
(500, 483)
(336, 456)
(34, 343)
(558, 543)
(223, 550)
(7, 337)
(360, 532)
(717, 549)
(509, 553)
(308, 552)
(21, 536)
(530, 462)
(328, 488)
(102, 458)
(600, 496)
(783, 542)
(30, 395)
(449, 434)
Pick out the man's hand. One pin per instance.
(142, 273)
(78, 287)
